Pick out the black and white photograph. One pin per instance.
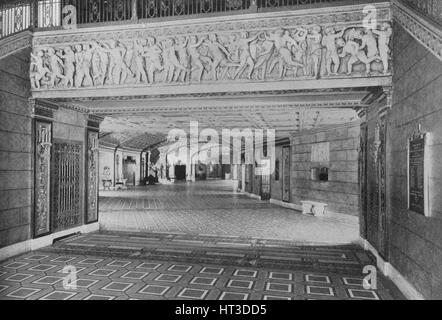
(195, 151)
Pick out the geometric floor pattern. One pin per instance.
(106, 273)
(211, 207)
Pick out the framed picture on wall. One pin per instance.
(418, 167)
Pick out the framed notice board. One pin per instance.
(418, 173)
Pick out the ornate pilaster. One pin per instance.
(42, 114)
(43, 135)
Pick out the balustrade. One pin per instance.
(21, 15)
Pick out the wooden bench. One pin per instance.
(313, 208)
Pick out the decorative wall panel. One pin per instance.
(92, 177)
(376, 188)
(286, 174)
(363, 180)
(66, 177)
(43, 132)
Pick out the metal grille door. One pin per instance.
(66, 185)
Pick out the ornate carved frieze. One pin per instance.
(424, 32)
(43, 132)
(287, 47)
(92, 177)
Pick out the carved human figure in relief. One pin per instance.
(245, 56)
(219, 54)
(129, 61)
(153, 59)
(139, 51)
(229, 68)
(118, 69)
(86, 65)
(96, 63)
(332, 61)
(55, 65)
(78, 65)
(38, 69)
(314, 50)
(100, 64)
(352, 48)
(282, 42)
(384, 36)
(183, 59)
(264, 51)
(197, 61)
(170, 59)
(69, 66)
(300, 51)
(369, 42)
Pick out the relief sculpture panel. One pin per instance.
(271, 52)
(42, 173)
(92, 177)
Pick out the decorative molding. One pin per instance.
(74, 106)
(93, 121)
(42, 109)
(162, 109)
(14, 43)
(418, 27)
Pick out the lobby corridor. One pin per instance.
(214, 208)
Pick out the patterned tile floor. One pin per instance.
(154, 266)
(198, 241)
(212, 207)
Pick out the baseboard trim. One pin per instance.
(34, 244)
(251, 195)
(407, 289)
(288, 205)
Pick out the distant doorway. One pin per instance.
(180, 172)
(129, 168)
